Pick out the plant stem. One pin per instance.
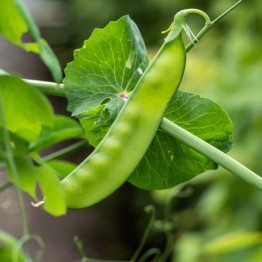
(212, 153)
(152, 212)
(49, 88)
(12, 167)
(65, 151)
(209, 25)
(4, 186)
(227, 11)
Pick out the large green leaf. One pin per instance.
(15, 21)
(169, 162)
(107, 67)
(26, 110)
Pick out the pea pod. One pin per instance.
(126, 142)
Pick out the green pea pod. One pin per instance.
(126, 142)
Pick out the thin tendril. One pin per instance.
(5, 186)
(23, 241)
(149, 253)
(211, 24)
(190, 34)
(151, 210)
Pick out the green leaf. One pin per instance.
(26, 109)
(168, 162)
(95, 132)
(15, 21)
(19, 145)
(52, 190)
(13, 26)
(63, 128)
(31, 174)
(27, 173)
(103, 72)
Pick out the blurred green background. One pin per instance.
(221, 218)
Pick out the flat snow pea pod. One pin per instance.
(126, 142)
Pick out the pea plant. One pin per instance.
(144, 130)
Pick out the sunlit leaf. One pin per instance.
(54, 200)
(13, 25)
(15, 22)
(27, 174)
(31, 174)
(26, 109)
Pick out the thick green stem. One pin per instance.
(211, 152)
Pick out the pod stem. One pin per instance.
(212, 153)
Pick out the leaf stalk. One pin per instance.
(212, 153)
